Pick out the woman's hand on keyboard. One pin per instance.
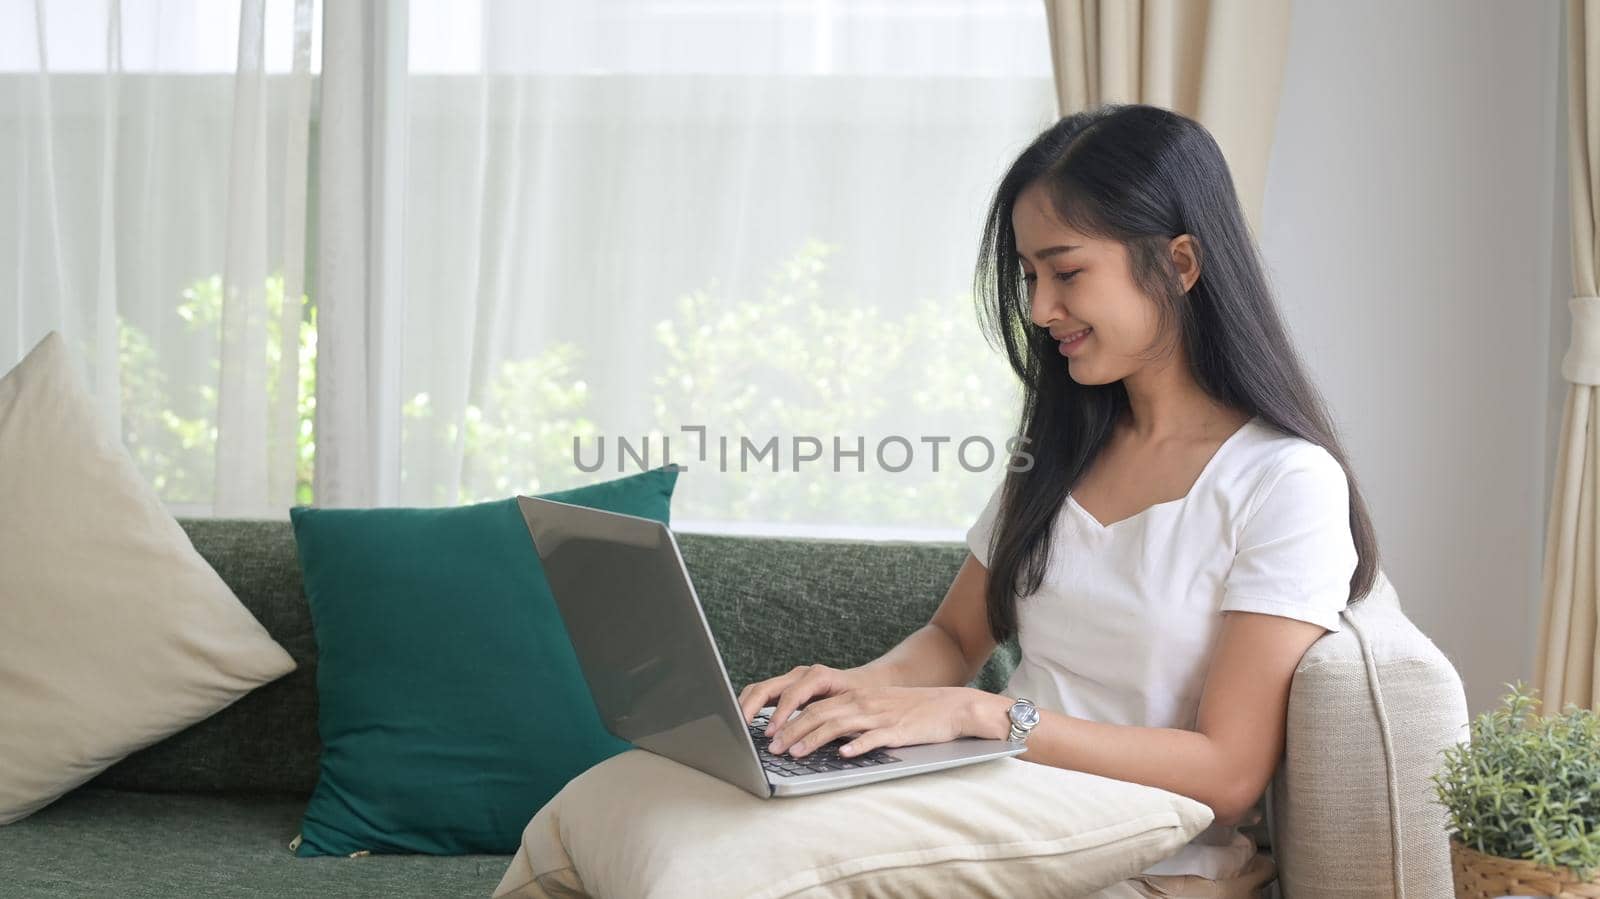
(882, 716)
(792, 691)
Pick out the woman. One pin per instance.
(1188, 527)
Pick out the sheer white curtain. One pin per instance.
(153, 172)
(724, 223)
(743, 226)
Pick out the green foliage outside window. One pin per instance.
(171, 429)
(773, 365)
(519, 440)
(927, 364)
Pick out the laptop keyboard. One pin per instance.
(818, 761)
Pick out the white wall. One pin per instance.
(1415, 231)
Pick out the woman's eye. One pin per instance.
(1060, 276)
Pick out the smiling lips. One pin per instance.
(1071, 342)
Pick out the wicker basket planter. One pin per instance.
(1480, 876)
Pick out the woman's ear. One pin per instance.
(1185, 252)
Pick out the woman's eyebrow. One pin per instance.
(1047, 252)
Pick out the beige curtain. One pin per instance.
(1565, 667)
(1220, 62)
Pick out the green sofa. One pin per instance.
(211, 810)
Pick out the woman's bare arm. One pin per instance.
(1227, 760)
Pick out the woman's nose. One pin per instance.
(1042, 308)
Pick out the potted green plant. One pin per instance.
(1523, 801)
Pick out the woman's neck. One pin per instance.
(1164, 401)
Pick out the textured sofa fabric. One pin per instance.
(211, 810)
(1370, 711)
(231, 788)
(772, 603)
(97, 842)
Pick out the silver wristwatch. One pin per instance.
(1024, 715)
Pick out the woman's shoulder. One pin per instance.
(1282, 447)
(1272, 453)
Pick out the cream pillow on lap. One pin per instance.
(640, 825)
(114, 632)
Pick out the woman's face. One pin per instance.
(1077, 282)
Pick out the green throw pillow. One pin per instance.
(452, 706)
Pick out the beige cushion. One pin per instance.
(642, 826)
(1351, 809)
(114, 633)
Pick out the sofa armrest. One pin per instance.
(1351, 808)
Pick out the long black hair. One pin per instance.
(1140, 175)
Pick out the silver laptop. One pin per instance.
(652, 663)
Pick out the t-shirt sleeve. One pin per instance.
(1296, 553)
(982, 530)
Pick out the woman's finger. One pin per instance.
(812, 716)
(753, 698)
(827, 731)
(868, 740)
(794, 696)
(746, 697)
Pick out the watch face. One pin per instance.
(1025, 715)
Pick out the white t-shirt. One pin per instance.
(1122, 627)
